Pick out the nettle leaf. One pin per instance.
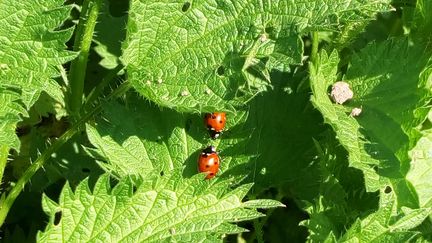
(162, 208)
(346, 127)
(422, 20)
(9, 117)
(282, 122)
(216, 55)
(420, 173)
(30, 52)
(158, 139)
(108, 42)
(342, 196)
(392, 98)
(394, 103)
(385, 225)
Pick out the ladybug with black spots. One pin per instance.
(209, 162)
(215, 123)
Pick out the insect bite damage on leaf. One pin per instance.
(57, 217)
(186, 6)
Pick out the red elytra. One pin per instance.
(215, 123)
(208, 162)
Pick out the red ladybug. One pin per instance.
(208, 162)
(215, 123)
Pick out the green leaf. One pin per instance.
(162, 208)
(422, 20)
(31, 50)
(108, 42)
(342, 196)
(209, 55)
(412, 219)
(9, 117)
(383, 226)
(393, 100)
(263, 203)
(282, 123)
(158, 139)
(394, 105)
(420, 173)
(346, 127)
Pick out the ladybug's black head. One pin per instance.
(214, 134)
(209, 150)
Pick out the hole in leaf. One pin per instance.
(388, 189)
(269, 29)
(57, 217)
(186, 6)
(220, 70)
(85, 170)
(134, 189)
(162, 173)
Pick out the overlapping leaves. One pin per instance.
(162, 208)
(158, 139)
(215, 55)
(30, 52)
(392, 97)
(385, 225)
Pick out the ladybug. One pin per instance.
(208, 162)
(215, 123)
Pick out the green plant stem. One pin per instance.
(83, 40)
(4, 152)
(97, 91)
(28, 174)
(315, 43)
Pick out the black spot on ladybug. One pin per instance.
(220, 121)
(186, 6)
(211, 173)
(388, 190)
(213, 116)
(220, 70)
(57, 217)
(215, 162)
(85, 170)
(207, 166)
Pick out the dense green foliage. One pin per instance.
(101, 120)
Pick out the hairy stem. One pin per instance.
(4, 152)
(315, 43)
(28, 174)
(97, 91)
(83, 40)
